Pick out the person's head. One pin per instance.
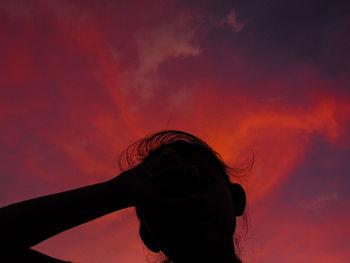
(202, 227)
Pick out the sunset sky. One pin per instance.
(81, 80)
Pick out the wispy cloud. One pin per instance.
(232, 21)
(320, 200)
(156, 46)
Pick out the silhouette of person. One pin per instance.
(185, 202)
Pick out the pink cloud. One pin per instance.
(80, 83)
(231, 20)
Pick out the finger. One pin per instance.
(179, 177)
(172, 184)
(183, 200)
(171, 169)
(170, 154)
(166, 158)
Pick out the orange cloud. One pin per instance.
(73, 91)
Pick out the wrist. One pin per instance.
(120, 189)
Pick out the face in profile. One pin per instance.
(199, 227)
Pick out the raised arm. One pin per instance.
(27, 223)
(30, 222)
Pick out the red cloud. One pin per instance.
(79, 83)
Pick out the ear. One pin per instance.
(239, 198)
(148, 240)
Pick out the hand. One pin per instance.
(162, 179)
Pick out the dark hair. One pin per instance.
(195, 152)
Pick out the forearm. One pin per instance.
(29, 222)
(28, 255)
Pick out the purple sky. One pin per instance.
(81, 80)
